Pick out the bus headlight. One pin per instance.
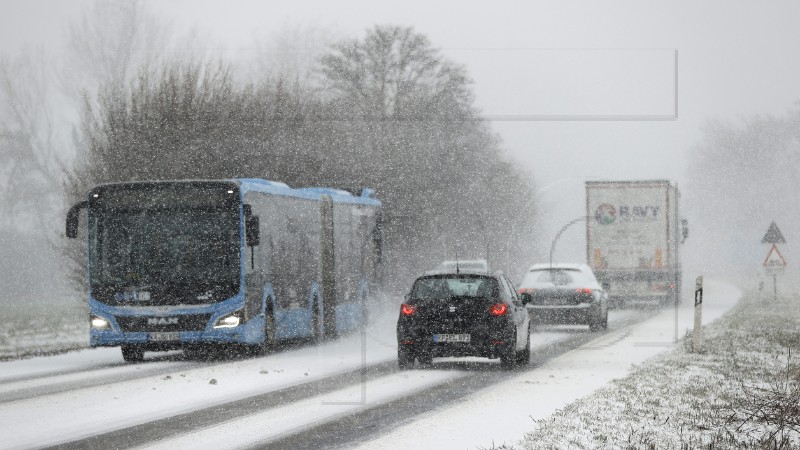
(98, 323)
(229, 321)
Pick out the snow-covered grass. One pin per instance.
(741, 390)
(43, 328)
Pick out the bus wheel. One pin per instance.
(269, 329)
(132, 353)
(197, 352)
(269, 336)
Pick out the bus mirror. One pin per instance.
(73, 216)
(252, 230)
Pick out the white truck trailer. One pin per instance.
(633, 237)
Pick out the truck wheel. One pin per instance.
(132, 353)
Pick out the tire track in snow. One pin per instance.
(195, 421)
(369, 423)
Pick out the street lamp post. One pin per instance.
(539, 194)
(560, 232)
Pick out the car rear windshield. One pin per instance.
(556, 277)
(448, 287)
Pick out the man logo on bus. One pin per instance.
(606, 214)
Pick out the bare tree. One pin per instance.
(29, 152)
(413, 133)
(31, 142)
(111, 43)
(290, 55)
(394, 72)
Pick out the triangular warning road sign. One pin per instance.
(774, 258)
(773, 235)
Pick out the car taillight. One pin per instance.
(498, 309)
(408, 310)
(658, 287)
(584, 294)
(526, 291)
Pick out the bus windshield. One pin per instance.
(176, 241)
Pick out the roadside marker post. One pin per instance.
(698, 313)
(774, 262)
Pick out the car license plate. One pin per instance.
(171, 336)
(451, 338)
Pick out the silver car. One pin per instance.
(564, 294)
(469, 265)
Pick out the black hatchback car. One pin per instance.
(452, 313)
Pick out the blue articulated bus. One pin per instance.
(189, 263)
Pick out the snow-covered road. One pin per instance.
(90, 394)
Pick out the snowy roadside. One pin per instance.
(740, 391)
(35, 329)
